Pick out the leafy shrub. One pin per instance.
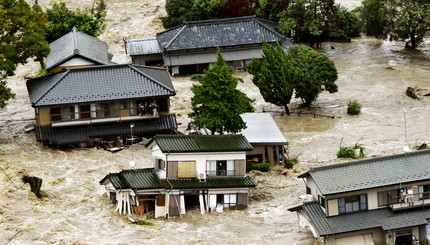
(354, 108)
(262, 167)
(144, 222)
(291, 162)
(351, 152)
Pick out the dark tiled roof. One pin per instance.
(202, 143)
(100, 83)
(378, 218)
(372, 172)
(143, 46)
(148, 179)
(77, 44)
(145, 178)
(77, 134)
(210, 183)
(219, 33)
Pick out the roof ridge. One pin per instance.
(222, 20)
(367, 160)
(50, 88)
(151, 78)
(176, 35)
(150, 67)
(269, 28)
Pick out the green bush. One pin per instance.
(351, 152)
(354, 108)
(144, 222)
(346, 152)
(262, 167)
(291, 162)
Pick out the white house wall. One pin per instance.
(200, 158)
(77, 62)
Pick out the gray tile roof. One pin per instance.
(77, 134)
(77, 44)
(371, 173)
(148, 179)
(143, 46)
(378, 218)
(99, 83)
(219, 33)
(201, 143)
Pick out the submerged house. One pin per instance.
(267, 140)
(383, 200)
(76, 49)
(83, 105)
(192, 46)
(188, 170)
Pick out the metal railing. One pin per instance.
(220, 172)
(417, 199)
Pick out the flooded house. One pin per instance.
(267, 140)
(192, 46)
(76, 49)
(382, 200)
(101, 103)
(204, 171)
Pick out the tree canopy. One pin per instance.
(274, 75)
(301, 70)
(61, 20)
(217, 104)
(397, 20)
(315, 73)
(21, 37)
(317, 20)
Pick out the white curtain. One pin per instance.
(182, 204)
(230, 167)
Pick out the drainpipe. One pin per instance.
(125, 44)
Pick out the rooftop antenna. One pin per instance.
(405, 147)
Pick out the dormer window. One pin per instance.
(352, 204)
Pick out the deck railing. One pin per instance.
(418, 199)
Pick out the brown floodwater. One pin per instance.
(75, 210)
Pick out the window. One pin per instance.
(107, 109)
(220, 168)
(423, 192)
(230, 200)
(159, 163)
(352, 204)
(388, 197)
(321, 201)
(308, 190)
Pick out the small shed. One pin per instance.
(266, 138)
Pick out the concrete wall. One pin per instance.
(378, 236)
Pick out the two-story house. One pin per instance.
(83, 105)
(383, 200)
(188, 170)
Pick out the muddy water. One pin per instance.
(74, 209)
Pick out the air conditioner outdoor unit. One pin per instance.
(202, 177)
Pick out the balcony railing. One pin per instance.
(220, 173)
(406, 201)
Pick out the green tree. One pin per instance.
(274, 75)
(216, 103)
(21, 37)
(316, 20)
(315, 73)
(397, 20)
(61, 20)
(179, 11)
(271, 9)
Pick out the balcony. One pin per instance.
(211, 173)
(420, 199)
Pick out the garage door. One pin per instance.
(365, 239)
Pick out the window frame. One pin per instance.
(351, 200)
